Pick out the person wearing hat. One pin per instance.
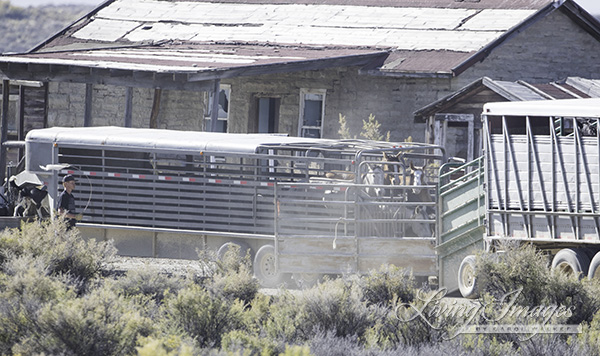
(66, 201)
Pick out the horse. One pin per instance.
(400, 173)
(420, 195)
(374, 178)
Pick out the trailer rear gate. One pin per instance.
(336, 228)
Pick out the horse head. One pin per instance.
(418, 177)
(374, 177)
(394, 169)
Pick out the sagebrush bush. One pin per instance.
(407, 324)
(524, 269)
(203, 316)
(148, 282)
(333, 305)
(233, 278)
(590, 336)
(518, 266)
(240, 342)
(581, 296)
(229, 276)
(26, 286)
(326, 343)
(99, 323)
(63, 251)
(167, 346)
(382, 286)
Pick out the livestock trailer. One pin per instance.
(300, 206)
(538, 182)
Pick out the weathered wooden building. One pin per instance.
(454, 121)
(292, 66)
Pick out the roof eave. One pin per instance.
(582, 17)
(293, 66)
(471, 89)
(422, 114)
(177, 80)
(405, 74)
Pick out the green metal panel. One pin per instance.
(461, 220)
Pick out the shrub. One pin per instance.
(526, 269)
(327, 344)
(230, 276)
(333, 305)
(401, 324)
(296, 350)
(517, 267)
(581, 296)
(62, 251)
(241, 342)
(203, 316)
(590, 336)
(148, 282)
(257, 314)
(100, 323)
(233, 277)
(170, 346)
(389, 282)
(26, 287)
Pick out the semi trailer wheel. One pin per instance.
(594, 270)
(242, 249)
(571, 261)
(306, 280)
(265, 268)
(467, 278)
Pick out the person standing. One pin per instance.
(66, 201)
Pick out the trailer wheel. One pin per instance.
(594, 271)
(242, 248)
(265, 268)
(467, 278)
(306, 280)
(571, 261)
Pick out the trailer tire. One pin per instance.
(467, 278)
(571, 261)
(265, 268)
(306, 280)
(243, 249)
(594, 270)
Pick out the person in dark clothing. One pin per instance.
(66, 201)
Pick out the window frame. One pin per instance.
(303, 93)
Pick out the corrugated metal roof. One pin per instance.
(408, 28)
(424, 36)
(570, 88)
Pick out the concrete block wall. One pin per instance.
(391, 100)
(551, 49)
(179, 110)
(66, 104)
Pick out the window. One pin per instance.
(224, 99)
(312, 110)
(268, 115)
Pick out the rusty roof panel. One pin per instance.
(408, 28)
(553, 91)
(476, 4)
(424, 61)
(194, 58)
(425, 36)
